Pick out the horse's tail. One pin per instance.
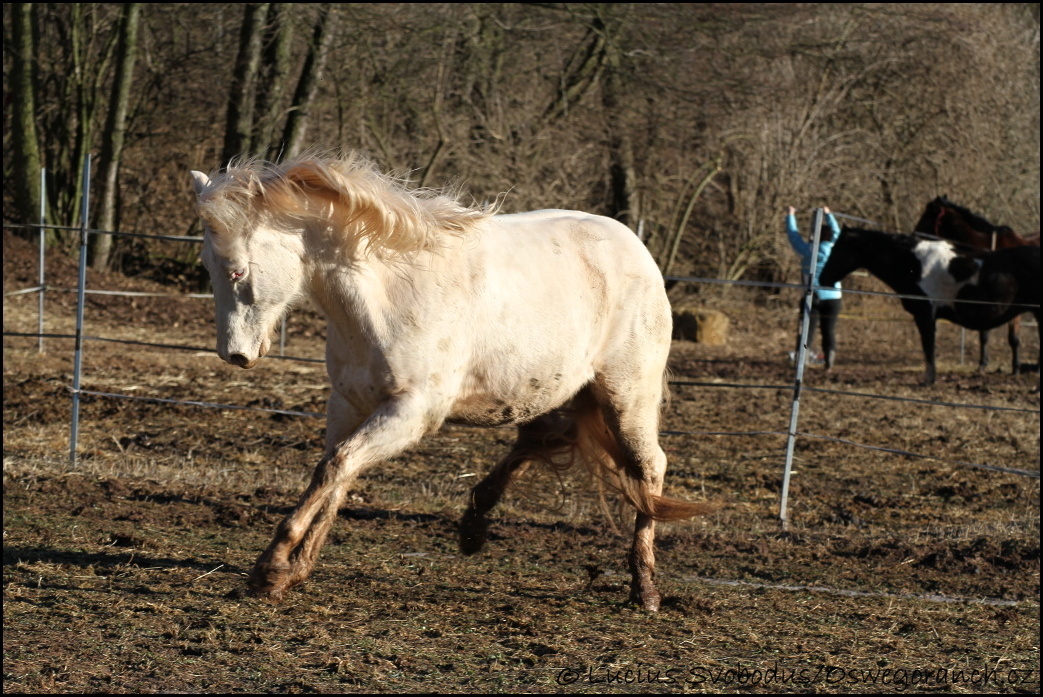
(599, 449)
(579, 434)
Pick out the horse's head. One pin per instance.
(950, 221)
(843, 259)
(936, 218)
(256, 269)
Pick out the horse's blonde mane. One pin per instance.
(346, 194)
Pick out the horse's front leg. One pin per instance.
(983, 351)
(1039, 358)
(925, 324)
(293, 551)
(291, 556)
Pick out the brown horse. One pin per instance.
(974, 234)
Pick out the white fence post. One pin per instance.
(42, 257)
(80, 296)
(798, 381)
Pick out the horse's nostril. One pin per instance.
(239, 360)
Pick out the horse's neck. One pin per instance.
(955, 228)
(997, 238)
(345, 293)
(887, 258)
(364, 297)
(1009, 238)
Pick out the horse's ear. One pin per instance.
(200, 181)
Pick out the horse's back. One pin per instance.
(600, 252)
(576, 225)
(558, 298)
(1008, 284)
(1021, 263)
(1023, 260)
(592, 266)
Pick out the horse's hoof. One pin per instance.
(472, 534)
(649, 600)
(266, 591)
(272, 595)
(268, 583)
(471, 543)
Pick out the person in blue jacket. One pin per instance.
(825, 302)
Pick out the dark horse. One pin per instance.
(972, 234)
(937, 282)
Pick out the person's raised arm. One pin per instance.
(796, 241)
(832, 221)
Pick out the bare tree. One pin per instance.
(307, 86)
(115, 132)
(69, 49)
(276, 63)
(700, 121)
(26, 160)
(242, 96)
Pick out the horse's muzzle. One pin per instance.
(241, 360)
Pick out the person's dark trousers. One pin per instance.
(824, 313)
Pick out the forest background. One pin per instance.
(693, 123)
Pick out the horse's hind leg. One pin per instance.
(624, 422)
(1014, 340)
(487, 493)
(630, 420)
(537, 439)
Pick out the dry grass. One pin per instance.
(125, 574)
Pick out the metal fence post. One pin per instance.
(80, 295)
(798, 381)
(42, 257)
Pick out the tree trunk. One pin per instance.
(242, 95)
(623, 205)
(275, 70)
(581, 73)
(115, 132)
(677, 234)
(25, 140)
(308, 85)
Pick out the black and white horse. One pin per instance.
(973, 234)
(937, 282)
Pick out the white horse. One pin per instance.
(555, 321)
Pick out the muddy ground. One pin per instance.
(899, 572)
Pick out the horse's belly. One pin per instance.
(503, 407)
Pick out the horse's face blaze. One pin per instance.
(256, 275)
